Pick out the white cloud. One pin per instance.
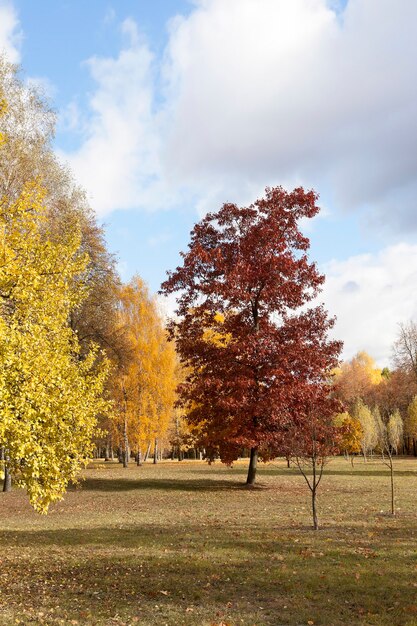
(118, 159)
(271, 91)
(371, 295)
(10, 33)
(256, 93)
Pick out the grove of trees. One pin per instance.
(246, 367)
(82, 356)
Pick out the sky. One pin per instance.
(166, 109)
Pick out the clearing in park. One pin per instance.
(187, 543)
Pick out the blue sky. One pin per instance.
(168, 108)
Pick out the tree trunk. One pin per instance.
(314, 507)
(148, 449)
(125, 454)
(288, 462)
(392, 485)
(125, 437)
(253, 462)
(139, 458)
(414, 447)
(314, 492)
(155, 452)
(7, 481)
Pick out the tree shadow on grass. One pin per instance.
(211, 536)
(370, 473)
(159, 484)
(180, 536)
(293, 471)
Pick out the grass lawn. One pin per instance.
(185, 543)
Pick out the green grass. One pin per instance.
(185, 543)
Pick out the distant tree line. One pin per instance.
(380, 399)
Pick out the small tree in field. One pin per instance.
(245, 276)
(313, 439)
(390, 436)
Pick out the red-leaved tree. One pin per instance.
(242, 329)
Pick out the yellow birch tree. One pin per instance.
(49, 395)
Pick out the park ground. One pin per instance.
(187, 543)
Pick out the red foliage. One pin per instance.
(394, 392)
(312, 437)
(250, 264)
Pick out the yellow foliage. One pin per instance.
(369, 424)
(352, 432)
(355, 377)
(213, 335)
(147, 375)
(183, 433)
(49, 397)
